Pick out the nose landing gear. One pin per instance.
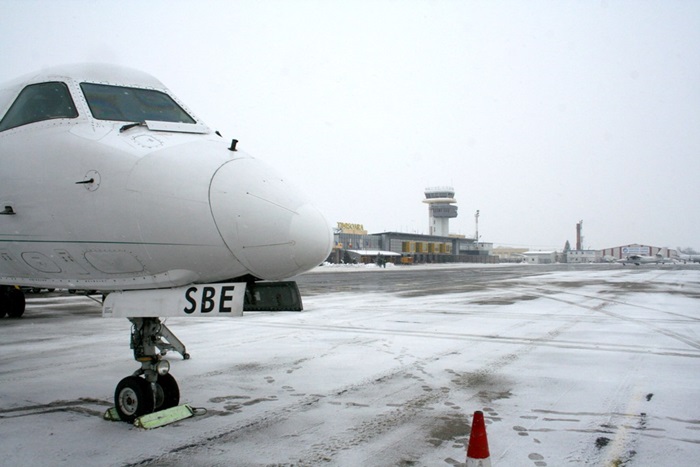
(151, 388)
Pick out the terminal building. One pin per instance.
(352, 243)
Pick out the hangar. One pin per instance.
(621, 252)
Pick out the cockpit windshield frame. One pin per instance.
(39, 102)
(130, 104)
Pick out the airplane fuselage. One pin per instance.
(686, 258)
(100, 198)
(638, 260)
(109, 183)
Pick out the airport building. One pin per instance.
(621, 252)
(583, 256)
(540, 257)
(353, 243)
(509, 254)
(441, 208)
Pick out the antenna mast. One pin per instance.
(476, 220)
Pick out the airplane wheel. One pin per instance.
(167, 392)
(133, 398)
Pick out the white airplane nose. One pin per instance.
(265, 222)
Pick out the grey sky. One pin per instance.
(539, 113)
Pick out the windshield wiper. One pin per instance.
(131, 125)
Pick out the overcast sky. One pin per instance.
(538, 113)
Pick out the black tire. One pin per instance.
(133, 398)
(167, 392)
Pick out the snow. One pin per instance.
(577, 366)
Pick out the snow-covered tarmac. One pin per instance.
(587, 365)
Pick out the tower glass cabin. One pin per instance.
(441, 208)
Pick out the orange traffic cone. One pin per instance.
(478, 449)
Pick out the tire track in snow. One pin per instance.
(480, 381)
(280, 414)
(568, 344)
(641, 322)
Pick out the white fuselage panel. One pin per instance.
(113, 205)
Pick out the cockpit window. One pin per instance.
(37, 102)
(132, 104)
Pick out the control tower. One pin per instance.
(441, 209)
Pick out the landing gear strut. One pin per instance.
(151, 387)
